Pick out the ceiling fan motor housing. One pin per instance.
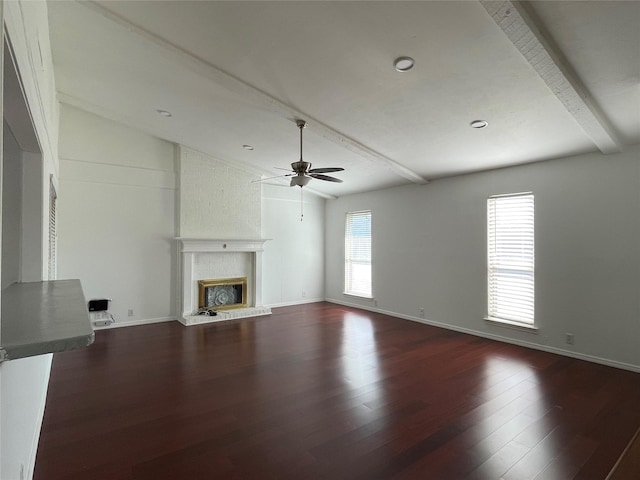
(301, 167)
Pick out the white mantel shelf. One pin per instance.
(203, 245)
(44, 317)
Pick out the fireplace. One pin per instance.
(234, 264)
(222, 294)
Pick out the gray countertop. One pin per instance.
(44, 317)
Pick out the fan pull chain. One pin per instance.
(301, 205)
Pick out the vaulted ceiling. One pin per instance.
(552, 79)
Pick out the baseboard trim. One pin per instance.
(499, 338)
(133, 323)
(295, 302)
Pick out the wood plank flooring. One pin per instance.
(322, 391)
(629, 464)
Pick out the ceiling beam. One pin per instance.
(260, 98)
(527, 34)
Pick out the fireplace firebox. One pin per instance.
(222, 294)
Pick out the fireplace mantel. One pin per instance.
(202, 245)
(189, 251)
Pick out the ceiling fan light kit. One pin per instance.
(299, 180)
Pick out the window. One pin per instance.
(511, 258)
(357, 254)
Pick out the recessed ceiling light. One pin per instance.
(478, 124)
(403, 64)
(164, 113)
(247, 147)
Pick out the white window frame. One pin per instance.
(511, 259)
(357, 256)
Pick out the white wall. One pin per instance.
(217, 201)
(293, 259)
(11, 208)
(116, 215)
(23, 383)
(429, 250)
(24, 388)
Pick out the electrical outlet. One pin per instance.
(375, 303)
(304, 293)
(130, 312)
(568, 338)
(22, 471)
(421, 310)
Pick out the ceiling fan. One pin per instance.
(302, 171)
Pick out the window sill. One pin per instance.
(523, 327)
(357, 295)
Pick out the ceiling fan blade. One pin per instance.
(326, 170)
(319, 176)
(271, 178)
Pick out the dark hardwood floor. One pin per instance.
(322, 391)
(629, 464)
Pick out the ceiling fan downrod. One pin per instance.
(301, 167)
(301, 125)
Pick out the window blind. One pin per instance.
(510, 220)
(52, 231)
(357, 267)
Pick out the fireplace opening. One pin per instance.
(222, 294)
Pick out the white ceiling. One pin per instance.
(551, 78)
